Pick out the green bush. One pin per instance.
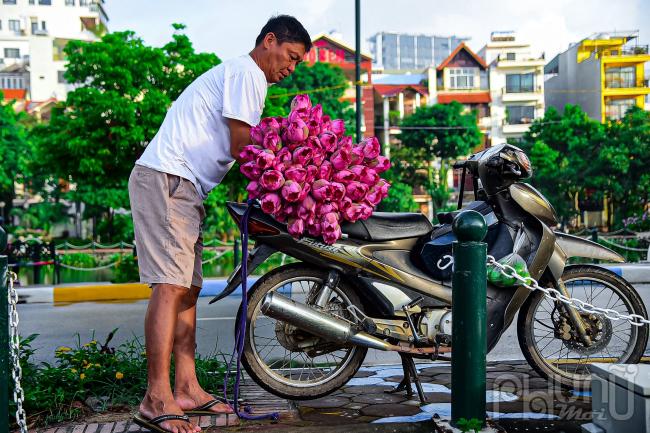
(126, 270)
(110, 378)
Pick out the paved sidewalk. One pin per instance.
(517, 398)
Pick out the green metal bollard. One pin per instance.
(4, 336)
(469, 283)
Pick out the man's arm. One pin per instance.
(240, 133)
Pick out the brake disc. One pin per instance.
(600, 330)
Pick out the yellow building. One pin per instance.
(604, 74)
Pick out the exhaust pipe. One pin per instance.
(320, 324)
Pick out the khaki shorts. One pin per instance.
(167, 216)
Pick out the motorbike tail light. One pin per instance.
(256, 227)
(525, 164)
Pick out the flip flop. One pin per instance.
(204, 409)
(153, 423)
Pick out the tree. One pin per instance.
(431, 139)
(565, 151)
(123, 90)
(15, 149)
(625, 162)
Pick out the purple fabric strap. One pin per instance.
(240, 327)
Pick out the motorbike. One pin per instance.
(381, 286)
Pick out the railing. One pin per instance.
(533, 90)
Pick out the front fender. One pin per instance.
(574, 246)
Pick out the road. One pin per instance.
(58, 324)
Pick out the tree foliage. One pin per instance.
(431, 139)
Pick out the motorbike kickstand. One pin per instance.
(410, 375)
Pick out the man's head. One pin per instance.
(280, 47)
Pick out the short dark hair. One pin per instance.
(286, 29)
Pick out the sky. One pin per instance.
(229, 28)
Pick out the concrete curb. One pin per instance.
(635, 273)
(102, 292)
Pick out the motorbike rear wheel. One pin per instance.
(287, 361)
(551, 345)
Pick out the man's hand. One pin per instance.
(240, 136)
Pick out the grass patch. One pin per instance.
(94, 377)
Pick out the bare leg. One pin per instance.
(187, 390)
(159, 325)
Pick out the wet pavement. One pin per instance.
(518, 399)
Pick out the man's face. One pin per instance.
(282, 58)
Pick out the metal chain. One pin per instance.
(14, 343)
(555, 295)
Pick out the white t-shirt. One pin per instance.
(194, 139)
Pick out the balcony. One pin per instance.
(530, 94)
(515, 129)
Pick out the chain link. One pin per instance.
(555, 295)
(14, 343)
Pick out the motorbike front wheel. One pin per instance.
(287, 361)
(552, 346)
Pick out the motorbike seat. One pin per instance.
(385, 226)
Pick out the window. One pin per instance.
(83, 2)
(60, 77)
(12, 82)
(69, 2)
(43, 26)
(520, 114)
(8, 2)
(461, 78)
(14, 25)
(520, 83)
(45, 2)
(623, 77)
(31, 2)
(0, 24)
(12, 53)
(34, 27)
(616, 108)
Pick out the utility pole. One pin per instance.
(357, 69)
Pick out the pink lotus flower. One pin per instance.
(380, 164)
(306, 188)
(248, 153)
(344, 176)
(325, 170)
(314, 229)
(338, 191)
(374, 196)
(356, 156)
(272, 180)
(295, 227)
(291, 191)
(325, 208)
(254, 190)
(326, 121)
(300, 102)
(257, 135)
(307, 209)
(270, 203)
(314, 128)
(371, 148)
(366, 211)
(269, 124)
(353, 212)
(318, 156)
(272, 141)
(329, 221)
(345, 143)
(316, 113)
(280, 216)
(340, 159)
(312, 171)
(364, 174)
(284, 154)
(345, 203)
(338, 127)
(331, 237)
(356, 190)
(264, 159)
(251, 170)
(328, 141)
(280, 165)
(321, 190)
(297, 131)
(302, 155)
(295, 173)
(383, 186)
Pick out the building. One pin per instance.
(516, 79)
(463, 77)
(330, 49)
(415, 52)
(603, 74)
(33, 34)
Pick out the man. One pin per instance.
(201, 136)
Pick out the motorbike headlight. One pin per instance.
(524, 163)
